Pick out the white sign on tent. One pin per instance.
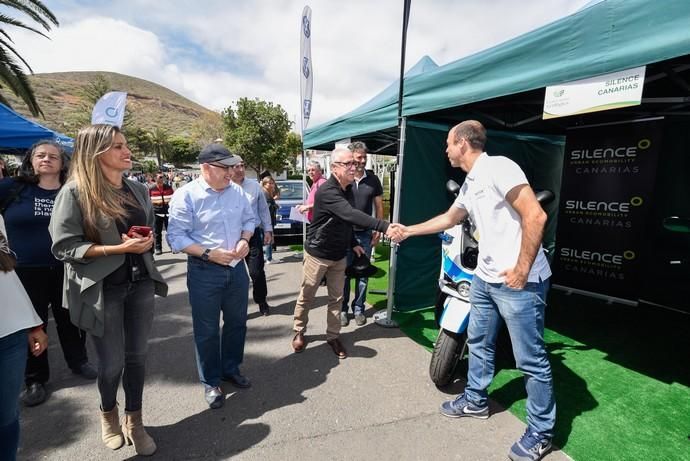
(603, 92)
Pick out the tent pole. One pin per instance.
(385, 318)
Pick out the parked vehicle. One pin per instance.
(292, 193)
(460, 249)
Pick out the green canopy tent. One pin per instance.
(504, 88)
(372, 119)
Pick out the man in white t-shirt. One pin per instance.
(510, 282)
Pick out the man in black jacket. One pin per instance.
(329, 236)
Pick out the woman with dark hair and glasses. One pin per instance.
(26, 202)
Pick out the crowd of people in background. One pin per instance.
(173, 178)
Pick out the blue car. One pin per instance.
(291, 191)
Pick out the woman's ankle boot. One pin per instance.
(111, 433)
(134, 433)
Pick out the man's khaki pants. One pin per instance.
(313, 271)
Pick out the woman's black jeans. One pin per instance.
(128, 310)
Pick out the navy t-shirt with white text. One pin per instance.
(27, 219)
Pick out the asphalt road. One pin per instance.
(377, 404)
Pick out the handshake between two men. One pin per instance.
(397, 232)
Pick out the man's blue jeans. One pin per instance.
(214, 289)
(523, 313)
(13, 350)
(364, 239)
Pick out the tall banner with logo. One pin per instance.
(110, 109)
(306, 82)
(306, 75)
(606, 193)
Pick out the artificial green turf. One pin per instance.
(605, 410)
(621, 375)
(296, 247)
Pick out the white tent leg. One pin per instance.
(385, 318)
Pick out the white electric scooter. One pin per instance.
(459, 252)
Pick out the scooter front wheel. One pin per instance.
(450, 350)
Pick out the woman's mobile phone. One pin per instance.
(144, 231)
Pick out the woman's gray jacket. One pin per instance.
(83, 285)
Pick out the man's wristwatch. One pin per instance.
(204, 255)
(242, 238)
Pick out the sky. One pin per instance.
(217, 51)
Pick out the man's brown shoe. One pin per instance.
(299, 342)
(338, 348)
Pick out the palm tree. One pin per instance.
(159, 140)
(11, 73)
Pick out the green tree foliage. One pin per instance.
(182, 151)
(159, 140)
(12, 75)
(258, 131)
(176, 149)
(139, 141)
(149, 166)
(293, 146)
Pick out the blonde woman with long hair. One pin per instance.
(110, 275)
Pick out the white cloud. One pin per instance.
(225, 50)
(94, 43)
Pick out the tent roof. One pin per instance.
(17, 132)
(603, 37)
(369, 113)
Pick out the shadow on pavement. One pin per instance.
(280, 380)
(286, 308)
(217, 434)
(49, 426)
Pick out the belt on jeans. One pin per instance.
(197, 258)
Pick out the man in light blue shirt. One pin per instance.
(212, 221)
(263, 234)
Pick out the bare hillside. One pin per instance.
(151, 105)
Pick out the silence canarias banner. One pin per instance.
(606, 194)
